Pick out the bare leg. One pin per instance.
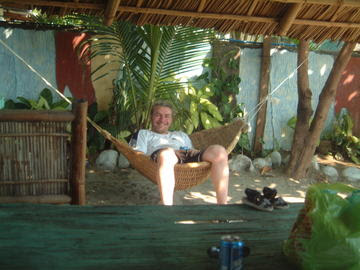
(166, 178)
(218, 157)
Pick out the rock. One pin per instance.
(107, 160)
(314, 164)
(241, 163)
(351, 174)
(286, 159)
(269, 161)
(123, 162)
(330, 173)
(275, 159)
(260, 163)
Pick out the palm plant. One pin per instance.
(150, 58)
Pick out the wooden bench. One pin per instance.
(138, 237)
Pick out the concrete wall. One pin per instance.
(37, 48)
(283, 97)
(104, 86)
(348, 94)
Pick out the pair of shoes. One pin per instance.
(255, 199)
(266, 202)
(277, 202)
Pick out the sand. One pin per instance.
(128, 187)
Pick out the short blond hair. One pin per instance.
(162, 103)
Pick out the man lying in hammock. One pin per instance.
(168, 148)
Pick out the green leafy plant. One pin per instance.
(95, 141)
(291, 123)
(220, 86)
(342, 142)
(343, 139)
(224, 83)
(197, 111)
(44, 102)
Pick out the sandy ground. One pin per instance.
(128, 187)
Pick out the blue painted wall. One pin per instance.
(283, 98)
(38, 49)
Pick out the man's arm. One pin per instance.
(139, 142)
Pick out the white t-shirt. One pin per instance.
(149, 141)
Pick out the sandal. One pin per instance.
(277, 202)
(255, 199)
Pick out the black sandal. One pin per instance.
(255, 199)
(277, 202)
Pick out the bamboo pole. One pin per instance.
(288, 19)
(213, 16)
(348, 3)
(51, 199)
(201, 6)
(221, 16)
(110, 12)
(26, 134)
(30, 115)
(78, 155)
(96, 6)
(252, 8)
(56, 4)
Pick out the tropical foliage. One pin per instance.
(197, 111)
(343, 140)
(45, 101)
(223, 82)
(151, 59)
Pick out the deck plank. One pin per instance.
(137, 237)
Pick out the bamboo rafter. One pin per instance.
(110, 12)
(333, 19)
(288, 19)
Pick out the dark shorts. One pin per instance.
(188, 157)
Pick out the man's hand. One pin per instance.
(182, 154)
(192, 152)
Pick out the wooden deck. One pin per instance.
(137, 237)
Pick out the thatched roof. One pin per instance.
(315, 20)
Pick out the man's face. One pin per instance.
(161, 119)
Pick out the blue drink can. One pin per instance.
(232, 252)
(237, 253)
(225, 252)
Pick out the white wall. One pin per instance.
(283, 97)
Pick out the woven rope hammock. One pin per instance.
(189, 174)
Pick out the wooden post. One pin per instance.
(78, 153)
(263, 92)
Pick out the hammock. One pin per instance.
(189, 174)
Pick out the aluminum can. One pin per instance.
(231, 253)
(237, 253)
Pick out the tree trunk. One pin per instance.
(263, 93)
(306, 137)
(304, 110)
